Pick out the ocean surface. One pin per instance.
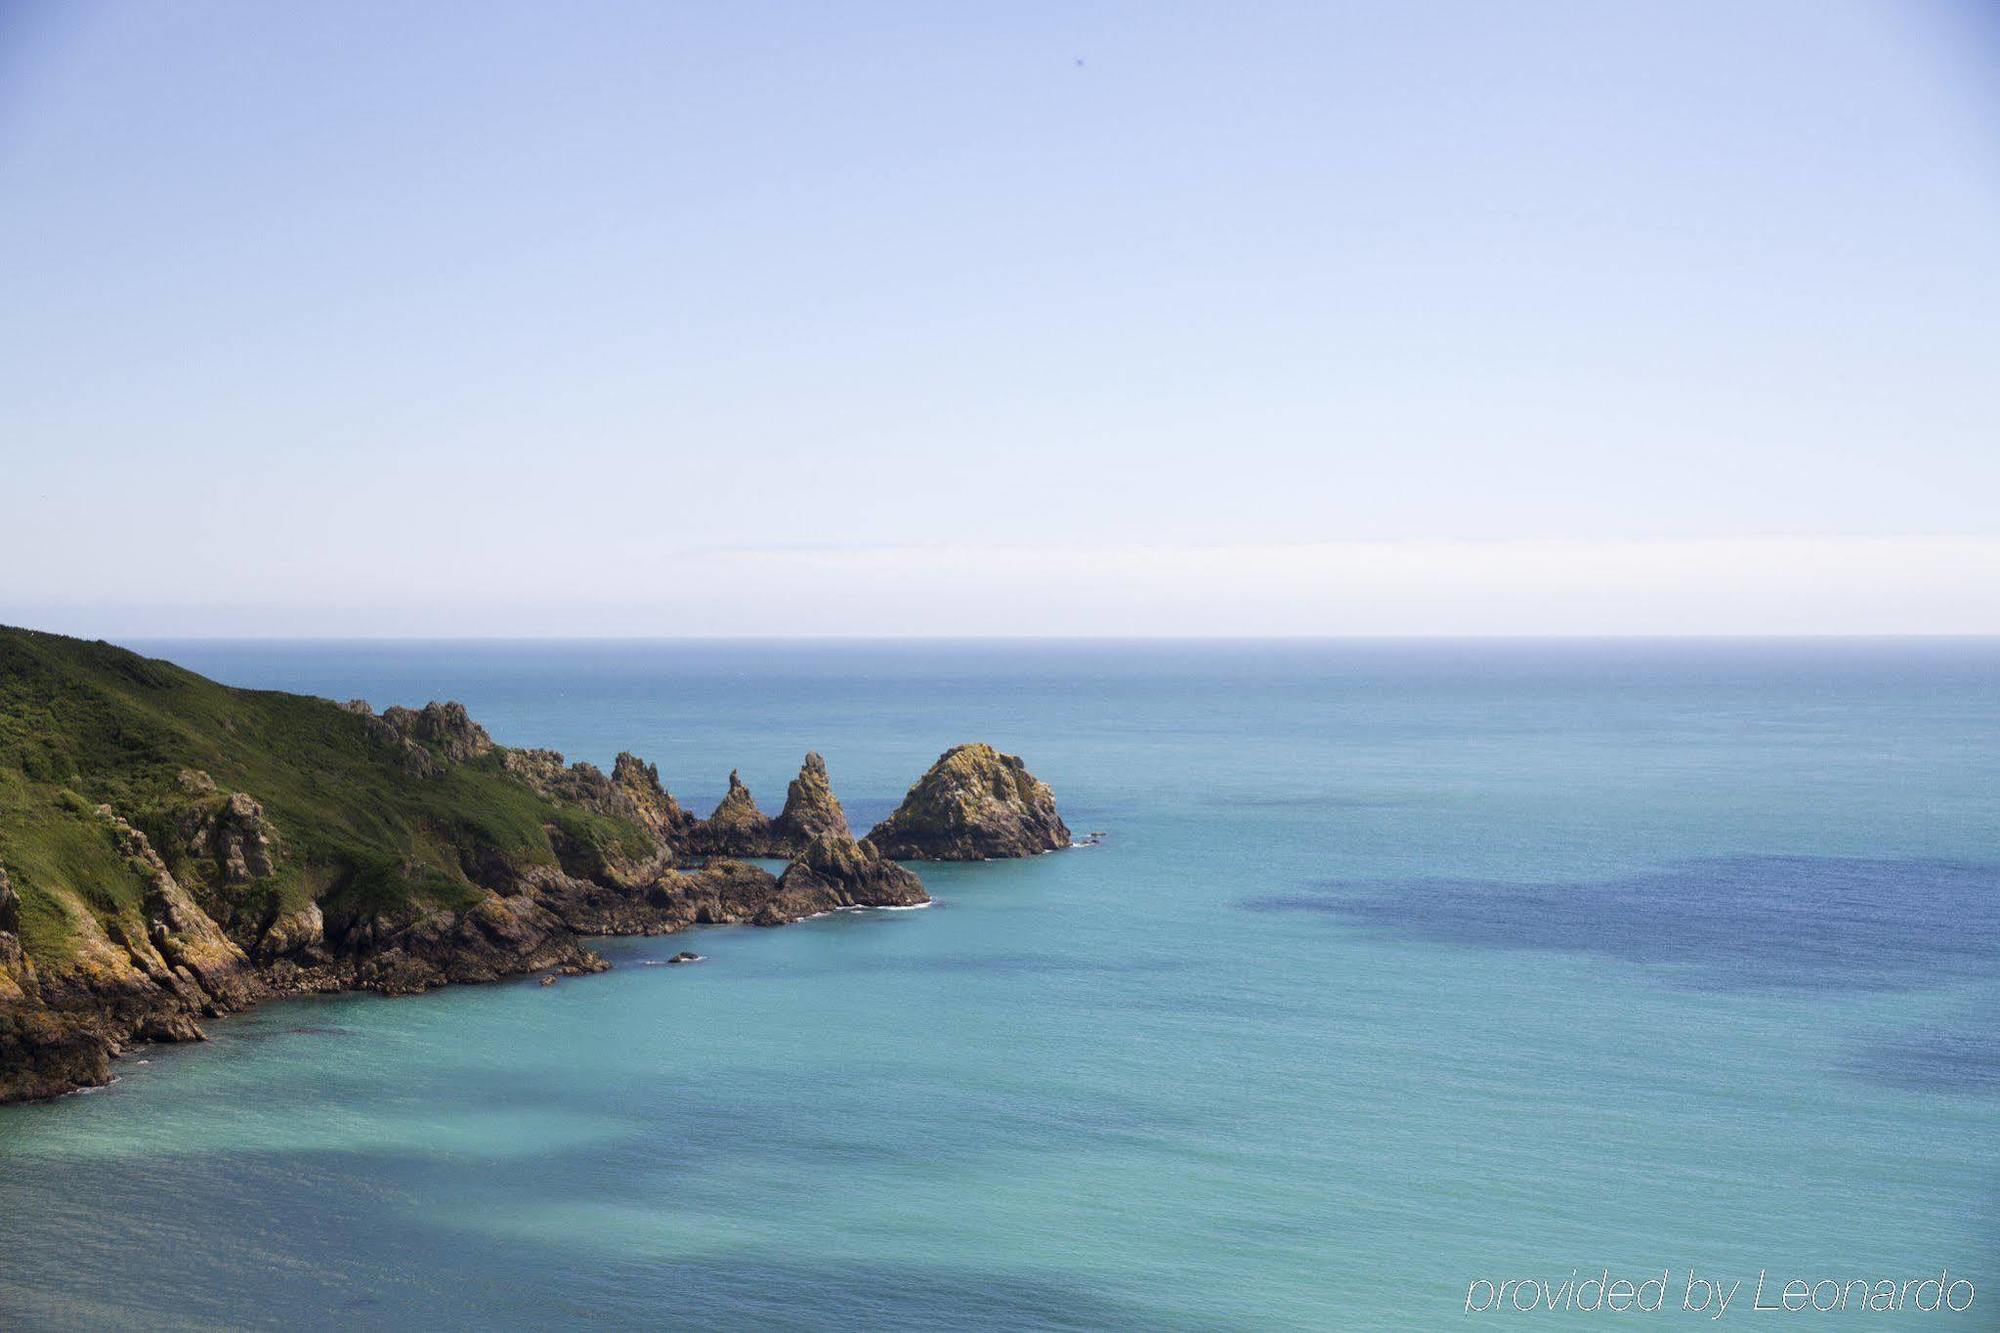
(1401, 966)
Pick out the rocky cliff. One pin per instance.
(651, 804)
(974, 804)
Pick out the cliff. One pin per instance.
(172, 849)
(974, 804)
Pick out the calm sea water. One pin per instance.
(1401, 965)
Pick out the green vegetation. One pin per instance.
(357, 826)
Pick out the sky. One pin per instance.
(1675, 317)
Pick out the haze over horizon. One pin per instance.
(1293, 319)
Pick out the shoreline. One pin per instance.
(277, 999)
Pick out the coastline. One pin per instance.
(173, 850)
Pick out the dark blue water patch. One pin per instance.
(272, 1032)
(1335, 801)
(1733, 923)
(1958, 1056)
(406, 1266)
(1015, 963)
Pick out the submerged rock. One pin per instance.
(974, 804)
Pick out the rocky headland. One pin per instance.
(172, 850)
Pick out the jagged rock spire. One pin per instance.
(810, 808)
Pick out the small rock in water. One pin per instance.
(684, 956)
(549, 980)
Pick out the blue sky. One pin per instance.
(665, 318)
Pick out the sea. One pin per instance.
(1400, 967)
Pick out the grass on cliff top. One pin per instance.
(83, 723)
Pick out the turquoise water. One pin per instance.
(1402, 965)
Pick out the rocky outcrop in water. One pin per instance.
(974, 804)
(737, 828)
(811, 809)
(835, 871)
(499, 936)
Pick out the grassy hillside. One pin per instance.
(356, 825)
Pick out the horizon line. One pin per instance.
(779, 637)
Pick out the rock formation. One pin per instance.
(835, 871)
(446, 726)
(737, 828)
(974, 804)
(147, 974)
(183, 949)
(394, 853)
(810, 809)
(425, 739)
(651, 803)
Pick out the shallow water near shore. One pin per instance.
(1401, 965)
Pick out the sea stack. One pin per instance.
(810, 809)
(974, 804)
(737, 828)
